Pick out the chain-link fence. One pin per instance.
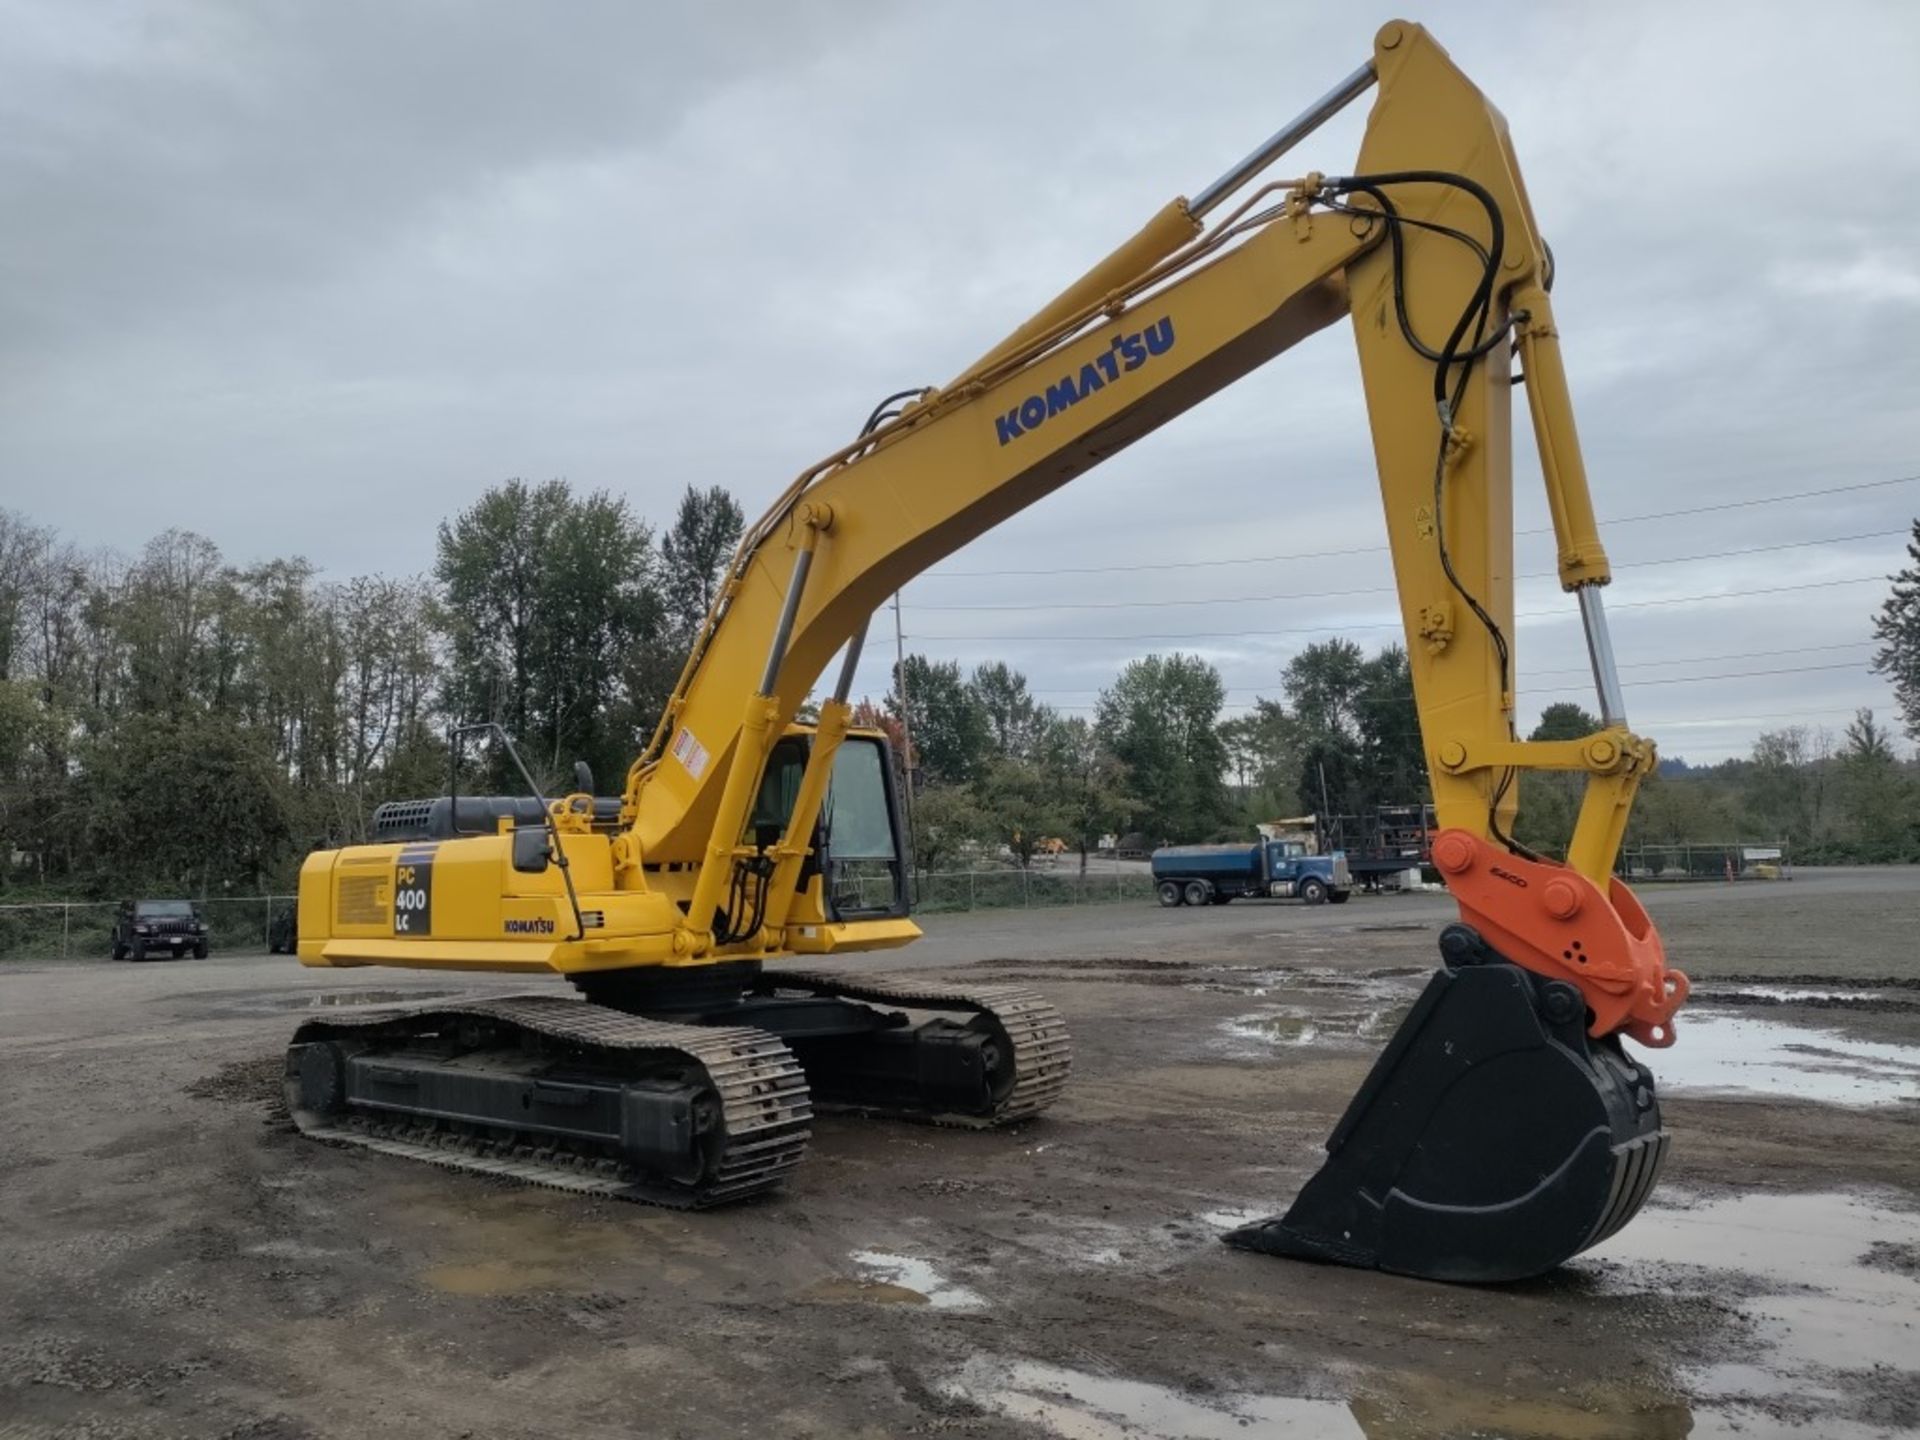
(50, 930)
(83, 928)
(55, 929)
(942, 891)
(1746, 860)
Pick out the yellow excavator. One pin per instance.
(1502, 1130)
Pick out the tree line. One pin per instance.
(175, 719)
(1157, 760)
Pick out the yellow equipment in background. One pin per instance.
(1503, 1129)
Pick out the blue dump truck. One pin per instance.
(1215, 874)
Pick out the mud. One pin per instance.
(176, 1263)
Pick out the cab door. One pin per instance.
(863, 840)
(859, 847)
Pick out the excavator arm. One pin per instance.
(1504, 1127)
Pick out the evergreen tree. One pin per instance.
(1161, 718)
(1897, 628)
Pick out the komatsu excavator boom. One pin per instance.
(1503, 1129)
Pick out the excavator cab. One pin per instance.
(859, 862)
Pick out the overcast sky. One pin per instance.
(308, 277)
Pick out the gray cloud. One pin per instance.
(307, 278)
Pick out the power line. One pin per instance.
(1737, 675)
(1750, 719)
(1382, 549)
(1405, 697)
(1021, 638)
(1391, 589)
(1716, 659)
(1581, 670)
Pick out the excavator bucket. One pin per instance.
(1493, 1139)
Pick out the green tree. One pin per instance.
(946, 819)
(1897, 628)
(1325, 683)
(1393, 762)
(1090, 784)
(695, 550)
(1332, 779)
(1877, 799)
(547, 599)
(1550, 799)
(1265, 748)
(1016, 722)
(1358, 727)
(384, 745)
(1161, 718)
(949, 728)
(1564, 720)
(1786, 790)
(1022, 803)
(22, 548)
(1675, 811)
(165, 619)
(186, 802)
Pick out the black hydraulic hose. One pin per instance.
(1480, 303)
(1474, 315)
(880, 410)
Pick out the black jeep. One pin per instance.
(158, 927)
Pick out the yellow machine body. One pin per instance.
(461, 904)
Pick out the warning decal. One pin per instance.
(690, 753)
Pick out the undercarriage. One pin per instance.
(688, 1088)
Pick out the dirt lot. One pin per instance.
(175, 1263)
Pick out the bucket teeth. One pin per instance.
(1493, 1138)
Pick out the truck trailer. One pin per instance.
(1382, 846)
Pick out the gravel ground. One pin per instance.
(174, 1262)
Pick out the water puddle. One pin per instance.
(1278, 1027)
(1296, 1025)
(862, 1292)
(488, 1277)
(917, 1277)
(290, 1250)
(1232, 1219)
(1083, 1244)
(1787, 994)
(1834, 1287)
(1736, 1055)
(1079, 1406)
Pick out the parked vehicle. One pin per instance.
(1216, 874)
(1381, 846)
(145, 928)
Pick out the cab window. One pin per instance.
(859, 818)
